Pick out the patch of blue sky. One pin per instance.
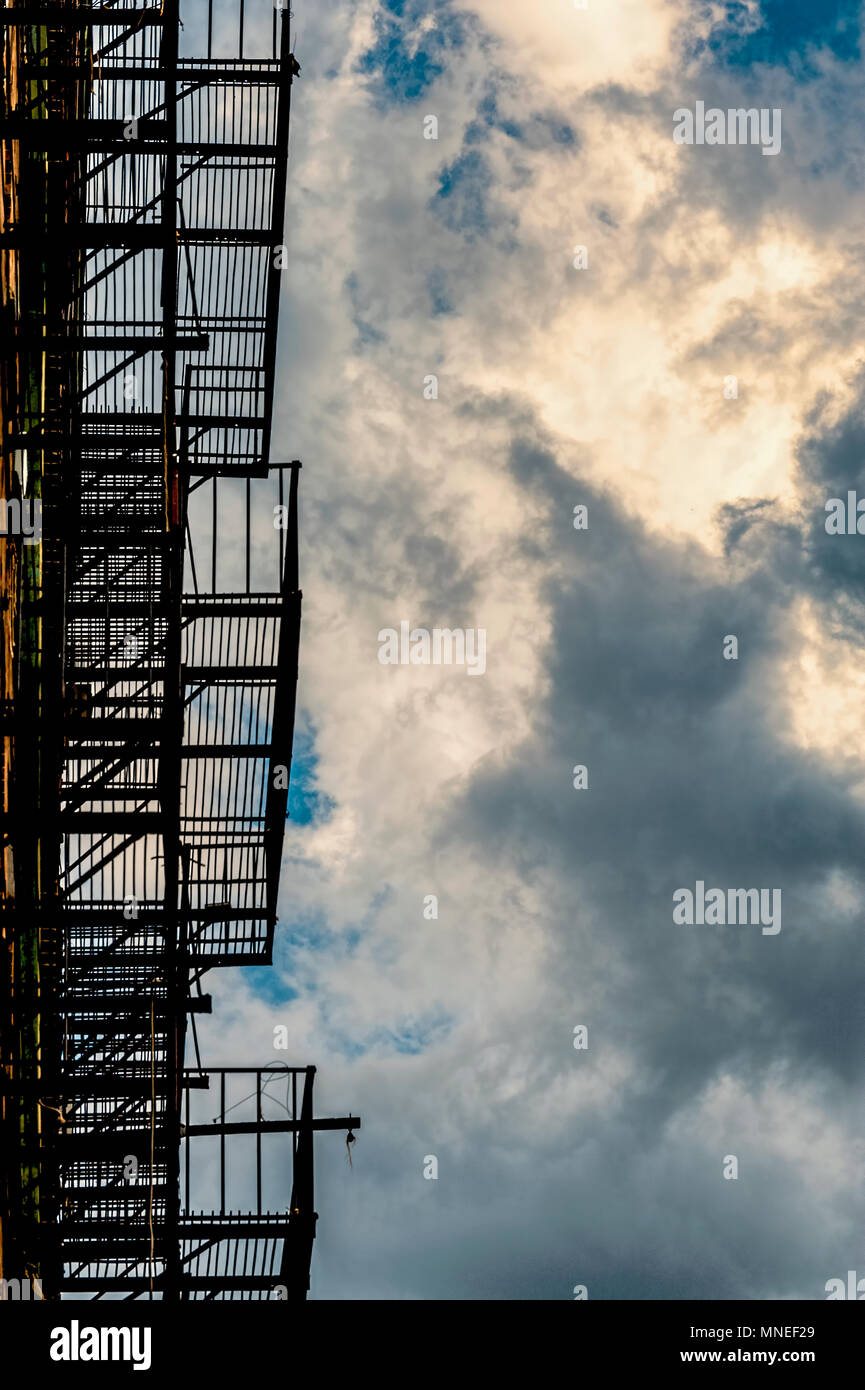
(409, 51)
(465, 197)
(367, 334)
(307, 804)
(536, 130)
(414, 1036)
(465, 186)
(409, 1037)
(295, 937)
(785, 32)
(561, 132)
(300, 935)
(489, 118)
(437, 288)
(271, 986)
(465, 203)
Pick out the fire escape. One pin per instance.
(148, 714)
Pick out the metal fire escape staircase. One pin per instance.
(170, 582)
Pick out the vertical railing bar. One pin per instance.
(222, 1145)
(213, 543)
(248, 534)
(258, 1142)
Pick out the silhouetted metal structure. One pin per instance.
(150, 641)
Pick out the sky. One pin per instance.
(611, 387)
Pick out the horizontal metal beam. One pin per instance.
(73, 1146)
(222, 1283)
(127, 1004)
(252, 1227)
(105, 1086)
(89, 1195)
(98, 236)
(262, 606)
(107, 137)
(190, 674)
(196, 956)
(113, 822)
(189, 750)
(195, 467)
(136, 424)
(200, 73)
(267, 1127)
(89, 791)
(109, 342)
(88, 915)
(269, 1069)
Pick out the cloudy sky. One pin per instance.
(602, 386)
